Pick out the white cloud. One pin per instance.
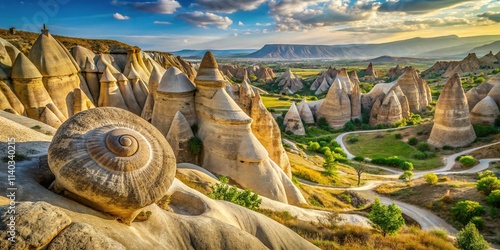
(203, 20)
(159, 6)
(119, 16)
(240, 23)
(162, 22)
(263, 24)
(229, 6)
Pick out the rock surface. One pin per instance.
(485, 112)
(336, 108)
(451, 119)
(293, 122)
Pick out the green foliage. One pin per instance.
(488, 184)
(323, 124)
(484, 130)
(398, 136)
(407, 166)
(431, 178)
(478, 222)
(494, 198)
(329, 164)
(313, 146)
(464, 211)
(479, 80)
(469, 239)
(486, 173)
(388, 219)
(393, 161)
(195, 145)
(497, 121)
(353, 139)
(406, 176)
(36, 127)
(423, 146)
(359, 158)
(419, 155)
(447, 147)
(222, 191)
(349, 126)
(467, 160)
(413, 141)
(414, 119)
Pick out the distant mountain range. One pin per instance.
(190, 53)
(436, 47)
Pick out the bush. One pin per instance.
(478, 222)
(419, 155)
(406, 176)
(313, 146)
(222, 191)
(359, 158)
(325, 149)
(469, 238)
(484, 130)
(431, 178)
(494, 198)
(414, 119)
(413, 141)
(353, 139)
(467, 160)
(407, 166)
(487, 173)
(393, 161)
(423, 146)
(349, 126)
(323, 124)
(398, 136)
(388, 219)
(464, 211)
(195, 145)
(488, 184)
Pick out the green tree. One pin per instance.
(406, 176)
(464, 211)
(469, 239)
(494, 198)
(388, 219)
(467, 160)
(431, 178)
(246, 198)
(488, 184)
(413, 141)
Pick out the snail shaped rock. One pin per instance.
(111, 160)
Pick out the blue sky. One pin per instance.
(170, 25)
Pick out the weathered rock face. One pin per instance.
(389, 111)
(268, 132)
(83, 236)
(323, 87)
(246, 94)
(344, 80)
(488, 60)
(451, 120)
(354, 78)
(336, 108)
(378, 91)
(484, 112)
(355, 98)
(472, 98)
(289, 82)
(293, 122)
(324, 77)
(495, 93)
(28, 86)
(175, 93)
(59, 70)
(403, 100)
(415, 89)
(369, 71)
(234, 150)
(468, 64)
(157, 73)
(110, 94)
(178, 137)
(305, 112)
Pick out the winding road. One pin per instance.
(425, 218)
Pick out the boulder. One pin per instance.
(485, 112)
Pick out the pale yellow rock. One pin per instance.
(495, 93)
(403, 100)
(138, 86)
(293, 122)
(48, 117)
(354, 77)
(234, 150)
(485, 112)
(128, 94)
(9, 99)
(82, 55)
(355, 98)
(157, 73)
(305, 112)
(389, 111)
(472, 98)
(246, 94)
(409, 85)
(178, 137)
(290, 82)
(336, 108)
(323, 87)
(83, 236)
(85, 88)
(135, 65)
(92, 79)
(110, 95)
(344, 80)
(175, 93)
(111, 160)
(451, 119)
(81, 102)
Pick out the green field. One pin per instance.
(384, 144)
(273, 102)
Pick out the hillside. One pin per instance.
(405, 48)
(230, 53)
(24, 40)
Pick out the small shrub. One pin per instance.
(407, 166)
(469, 238)
(36, 127)
(222, 191)
(423, 146)
(478, 222)
(494, 198)
(195, 145)
(406, 176)
(467, 160)
(313, 146)
(440, 232)
(464, 211)
(358, 158)
(323, 124)
(484, 130)
(488, 184)
(431, 178)
(419, 155)
(487, 173)
(398, 136)
(413, 141)
(349, 126)
(447, 147)
(353, 139)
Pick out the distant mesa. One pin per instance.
(471, 63)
